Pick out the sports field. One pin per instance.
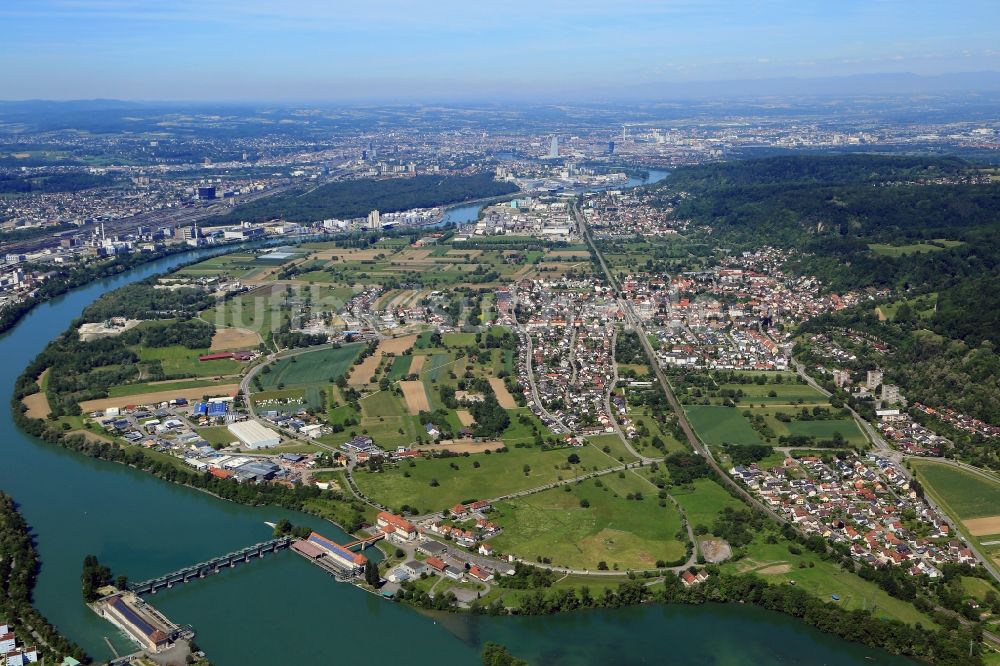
(721, 425)
(316, 367)
(632, 533)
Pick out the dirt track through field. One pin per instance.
(234, 338)
(983, 526)
(159, 396)
(504, 397)
(416, 397)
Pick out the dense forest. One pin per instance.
(142, 300)
(57, 182)
(832, 207)
(356, 198)
(18, 572)
(190, 333)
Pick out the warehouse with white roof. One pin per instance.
(254, 435)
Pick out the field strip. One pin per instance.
(416, 397)
(158, 397)
(38, 405)
(361, 373)
(983, 526)
(504, 397)
(234, 338)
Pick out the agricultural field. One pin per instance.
(718, 425)
(400, 368)
(234, 338)
(177, 360)
(613, 446)
(783, 393)
(966, 494)
(237, 266)
(315, 367)
(936, 245)
(624, 533)
(703, 502)
(458, 339)
(157, 387)
(434, 267)
(497, 474)
(970, 500)
(255, 310)
(826, 428)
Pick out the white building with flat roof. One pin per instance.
(254, 435)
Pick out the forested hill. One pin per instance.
(835, 207)
(786, 200)
(927, 228)
(357, 198)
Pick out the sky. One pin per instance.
(379, 50)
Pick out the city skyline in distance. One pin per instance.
(305, 50)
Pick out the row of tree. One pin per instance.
(18, 573)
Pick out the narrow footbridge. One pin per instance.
(212, 566)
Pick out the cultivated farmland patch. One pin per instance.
(416, 397)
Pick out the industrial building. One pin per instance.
(342, 557)
(141, 626)
(254, 435)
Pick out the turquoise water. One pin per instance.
(284, 610)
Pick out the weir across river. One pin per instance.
(212, 566)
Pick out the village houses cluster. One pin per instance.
(567, 352)
(864, 502)
(10, 653)
(737, 315)
(629, 213)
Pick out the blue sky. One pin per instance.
(449, 49)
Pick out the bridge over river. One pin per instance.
(212, 566)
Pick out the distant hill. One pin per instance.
(901, 83)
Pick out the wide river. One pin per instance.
(282, 609)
